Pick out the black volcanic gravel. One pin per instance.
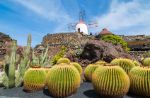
(85, 91)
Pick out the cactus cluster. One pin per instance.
(63, 80)
(140, 81)
(34, 79)
(110, 81)
(9, 68)
(146, 61)
(126, 64)
(89, 71)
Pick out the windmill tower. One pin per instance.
(82, 26)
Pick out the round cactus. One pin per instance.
(110, 81)
(89, 71)
(136, 63)
(63, 60)
(78, 66)
(126, 64)
(146, 61)
(34, 79)
(63, 80)
(140, 81)
(100, 62)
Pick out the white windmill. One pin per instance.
(82, 26)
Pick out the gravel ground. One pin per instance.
(85, 91)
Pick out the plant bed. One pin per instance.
(85, 91)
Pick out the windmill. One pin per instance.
(81, 25)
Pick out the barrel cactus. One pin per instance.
(63, 60)
(110, 81)
(146, 61)
(137, 63)
(126, 64)
(77, 66)
(100, 62)
(34, 79)
(89, 71)
(140, 81)
(63, 80)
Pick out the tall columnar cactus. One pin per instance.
(63, 60)
(24, 63)
(78, 66)
(126, 64)
(146, 61)
(110, 81)
(89, 71)
(63, 80)
(140, 81)
(34, 79)
(9, 68)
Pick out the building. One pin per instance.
(82, 28)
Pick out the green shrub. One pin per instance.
(114, 39)
(59, 55)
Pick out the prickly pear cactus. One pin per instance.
(63, 80)
(140, 81)
(34, 79)
(89, 71)
(146, 61)
(126, 64)
(78, 66)
(63, 60)
(110, 81)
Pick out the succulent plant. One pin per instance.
(63, 80)
(126, 64)
(137, 63)
(140, 81)
(34, 79)
(78, 66)
(89, 71)
(146, 61)
(110, 81)
(63, 60)
(100, 62)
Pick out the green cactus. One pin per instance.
(89, 71)
(140, 81)
(78, 66)
(137, 63)
(24, 63)
(9, 68)
(100, 62)
(34, 79)
(63, 80)
(126, 64)
(146, 61)
(110, 81)
(63, 60)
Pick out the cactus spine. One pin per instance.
(140, 81)
(110, 81)
(126, 64)
(89, 71)
(9, 74)
(63, 80)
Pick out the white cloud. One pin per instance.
(123, 16)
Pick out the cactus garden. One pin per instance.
(35, 75)
(74, 49)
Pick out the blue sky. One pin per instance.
(18, 18)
